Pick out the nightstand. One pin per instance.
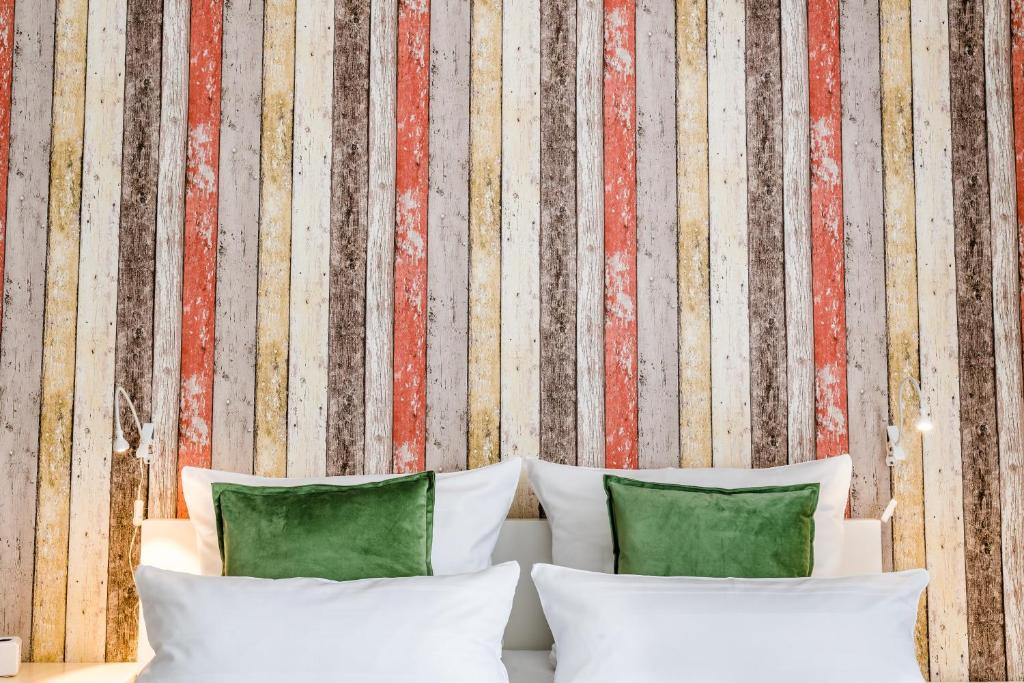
(75, 673)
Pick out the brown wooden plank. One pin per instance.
(558, 231)
(978, 432)
(136, 262)
(349, 186)
(768, 359)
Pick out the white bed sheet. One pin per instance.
(528, 666)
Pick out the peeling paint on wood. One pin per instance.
(6, 77)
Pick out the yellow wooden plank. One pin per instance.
(58, 385)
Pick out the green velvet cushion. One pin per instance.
(677, 530)
(378, 529)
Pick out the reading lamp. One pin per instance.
(144, 452)
(895, 432)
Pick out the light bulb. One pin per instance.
(924, 423)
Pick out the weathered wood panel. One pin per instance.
(936, 284)
(89, 532)
(349, 187)
(163, 474)
(447, 325)
(620, 326)
(657, 237)
(692, 210)
(59, 333)
(133, 368)
(6, 77)
(827, 265)
(978, 430)
(274, 278)
(768, 389)
(901, 290)
(309, 312)
(199, 268)
(558, 231)
(21, 343)
(796, 207)
(485, 234)
(238, 197)
(589, 233)
(380, 245)
(727, 183)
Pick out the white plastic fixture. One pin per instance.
(144, 452)
(923, 423)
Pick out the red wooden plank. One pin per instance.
(620, 331)
(199, 280)
(411, 189)
(1017, 75)
(827, 266)
(6, 70)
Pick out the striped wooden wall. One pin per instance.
(342, 236)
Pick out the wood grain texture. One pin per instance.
(589, 233)
(447, 379)
(657, 265)
(274, 278)
(768, 388)
(89, 532)
(484, 392)
(380, 236)
(163, 474)
(199, 269)
(620, 287)
(796, 207)
(349, 187)
(309, 312)
(520, 239)
(936, 284)
(238, 206)
(133, 367)
(901, 291)
(6, 77)
(59, 332)
(23, 290)
(558, 231)
(979, 433)
(864, 228)
(827, 264)
(692, 215)
(728, 252)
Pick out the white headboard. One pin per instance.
(170, 544)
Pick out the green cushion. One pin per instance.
(677, 530)
(377, 529)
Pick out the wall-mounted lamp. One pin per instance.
(895, 432)
(144, 452)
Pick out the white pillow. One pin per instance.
(469, 508)
(657, 629)
(238, 629)
(576, 506)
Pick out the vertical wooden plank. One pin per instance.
(727, 183)
(134, 351)
(89, 531)
(558, 231)
(311, 244)
(978, 429)
(796, 207)
(274, 278)
(6, 77)
(657, 237)
(21, 343)
(485, 234)
(381, 235)
(943, 481)
(827, 266)
(199, 274)
(864, 229)
(766, 244)
(589, 233)
(411, 189)
(901, 290)
(163, 473)
(692, 210)
(620, 350)
(349, 186)
(58, 378)
(447, 380)
(234, 353)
